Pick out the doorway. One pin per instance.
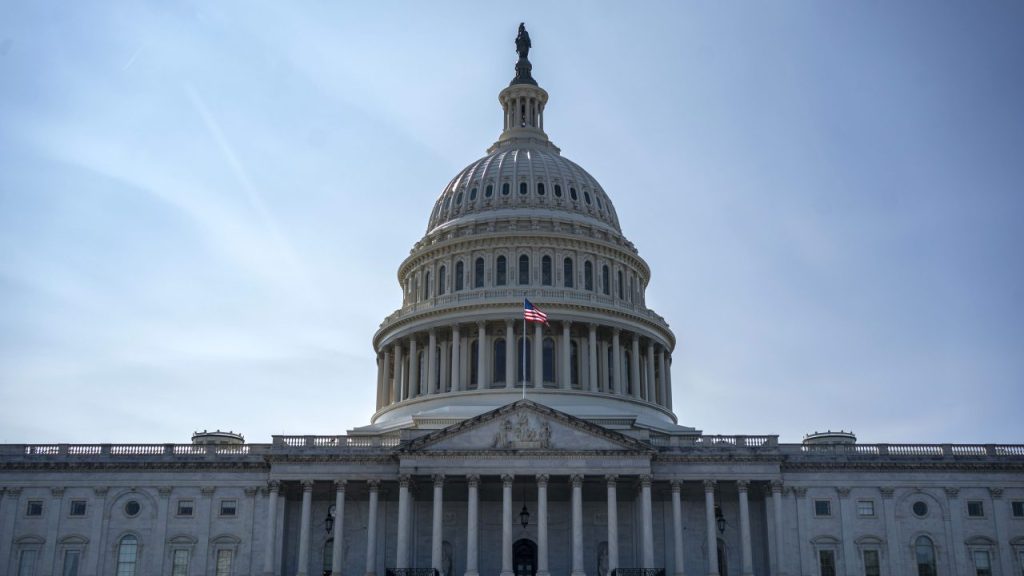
(723, 568)
(524, 557)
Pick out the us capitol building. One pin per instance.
(586, 473)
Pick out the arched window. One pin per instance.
(328, 555)
(415, 287)
(524, 348)
(499, 361)
(459, 275)
(474, 366)
(472, 194)
(442, 276)
(574, 363)
(549, 360)
(588, 276)
(619, 274)
(558, 191)
(127, 555)
(545, 270)
(501, 271)
(925, 552)
(478, 273)
(489, 191)
(426, 286)
(572, 193)
(630, 293)
(524, 269)
(540, 188)
(606, 280)
(567, 272)
(504, 189)
(523, 189)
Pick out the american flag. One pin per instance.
(533, 314)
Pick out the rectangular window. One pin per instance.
(224, 558)
(822, 507)
(982, 563)
(228, 507)
(865, 507)
(872, 564)
(1018, 510)
(78, 507)
(71, 558)
(975, 508)
(27, 563)
(179, 566)
(185, 507)
(34, 508)
(827, 562)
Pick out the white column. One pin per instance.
(160, 534)
(677, 527)
(204, 520)
(613, 523)
(432, 361)
(802, 535)
(307, 505)
(846, 531)
(456, 361)
(777, 517)
(385, 367)
(472, 525)
(339, 526)
(652, 395)
(481, 356)
(402, 539)
(634, 366)
(414, 369)
(956, 529)
(592, 356)
(747, 566)
(371, 529)
(396, 395)
(436, 529)
(55, 512)
(98, 525)
(380, 381)
(506, 525)
(577, 525)
(510, 355)
(709, 516)
(662, 391)
(542, 525)
(566, 356)
(668, 382)
(1004, 551)
(646, 522)
(617, 363)
(268, 546)
(538, 355)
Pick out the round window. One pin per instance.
(920, 508)
(132, 507)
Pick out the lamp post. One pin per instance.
(720, 519)
(524, 514)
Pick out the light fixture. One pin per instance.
(329, 520)
(720, 519)
(524, 514)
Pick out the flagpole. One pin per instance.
(524, 347)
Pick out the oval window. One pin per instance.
(920, 508)
(586, 196)
(540, 188)
(489, 191)
(504, 189)
(522, 188)
(472, 194)
(132, 507)
(572, 194)
(558, 191)
(458, 199)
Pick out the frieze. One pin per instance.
(524, 434)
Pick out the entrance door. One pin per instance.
(723, 569)
(524, 558)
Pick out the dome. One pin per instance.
(523, 180)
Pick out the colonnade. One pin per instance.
(564, 355)
(404, 537)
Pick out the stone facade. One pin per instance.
(498, 448)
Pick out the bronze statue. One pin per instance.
(523, 42)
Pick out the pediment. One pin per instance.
(525, 426)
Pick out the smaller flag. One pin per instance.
(533, 314)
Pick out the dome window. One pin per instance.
(572, 194)
(458, 199)
(500, 271)
(540, 188)
(567, 273)
(489, 191)
(478, 273)
(459, 269)
(498, 374)
(558, 191)
(545, 271)
(619, 273)
(441, 277)
(523, 188)
(588, 276)
(426, 286)
(524, 269)
(447, 202)
(586, 197)
(605, 280)
(472, 195)
(504, 189)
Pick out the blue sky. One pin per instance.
(203, 205)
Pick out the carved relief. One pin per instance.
(522, 434)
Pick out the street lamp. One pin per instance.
(524, 514)
(720, 519)
(329, 520)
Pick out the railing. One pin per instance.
(388, 441)
(716, 441)
(128, 450)
(638, 572)
(905, 450)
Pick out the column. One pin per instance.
(432, 361)
(538, 355)
(646, 522)
(437, 526)
(613, 523)
(380, 382)
(846, 531)
(709, 516)
(1004, 551)
(160, 533)
(204, 520)
(9, 506)
(577, 525)
(891, 537)
(592, 356)
(510, 355)
(747, 562)
(268, 545)
(446, 356)
(566, 363)
(307, 505)
(634, 366)
(481, 356)
(402, 555)
(414, 369)
(98, 525)
(777, 518)
(662, 391)
(617, 363)
(456, 363)
(339, 526)
(668, 382)
(802, 525)
(652, 395)
(542, 525)
(371, 529)
(506, 525)
(386, 386)
(677, 527)
(396, 395)
(602, 358)
(54, 512)
(472, 525)
(956, 530)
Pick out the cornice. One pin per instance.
(131, 466)
(909, 466)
